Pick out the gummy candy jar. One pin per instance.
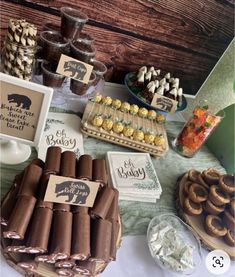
(196, 131)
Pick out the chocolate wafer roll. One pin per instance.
(30, 183)
(80, 247)
(114, 209)
(27, 261)
(65, 272)
(101, 240)
(53, 157)
(40, 230)
(61, 235)
(65, 263)
(103, 202)
(38, 162)
(84, 167)
(20, 217)
(9, 200)
(85, 268)
(114, 236)
(79, 209)
(99, 173)
(68, 164)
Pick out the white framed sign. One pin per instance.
(24, 107)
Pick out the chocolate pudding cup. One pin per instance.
(72, 22)
(99, 68)
(82, 51)
(53, 46)
(51, 26)
(85, 37)
(80, 88)
(50, 77)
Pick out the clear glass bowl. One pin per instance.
(185, 232)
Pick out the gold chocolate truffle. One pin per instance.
(143, 112)
(97, 98)
(138, 135)
(160, 118)
(107, 124)
(116, 104)
(149, 138)
(97, 120)
(118, 127)
(152, 114)
(106, 100)
(134, 109)
(128, 131)
(125, 107)
(159, 140)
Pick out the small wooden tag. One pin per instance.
(71, 191)
(164, 103)
(74, 69)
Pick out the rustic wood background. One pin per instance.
(184, 37)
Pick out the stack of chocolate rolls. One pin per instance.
(72, 238)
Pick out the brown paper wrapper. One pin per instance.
(9, 200)
(53, 157)
(68, 164)
(101, 240)
(99, 173)
(85, 268)
(20, 217)
(84, 167)
(30, 183)
(80, 248)
(40, 230)
(103, 202)
(61, 235)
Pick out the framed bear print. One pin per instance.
(24, 106)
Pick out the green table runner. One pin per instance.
(136, 215)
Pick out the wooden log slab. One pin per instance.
(196, 223)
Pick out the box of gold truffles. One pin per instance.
(125, 124)
(205, 200)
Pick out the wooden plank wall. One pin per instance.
(184, 37)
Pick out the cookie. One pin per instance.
(192, 208)
(214, 226)
(197, 193)
(210, 208)
(211, 176)
(227, 183)
(230, 238)
(217, 196)
(195, 176)
(229, 220)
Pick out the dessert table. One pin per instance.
(133, 258)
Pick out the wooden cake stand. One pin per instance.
(47, 270)
(196, 223)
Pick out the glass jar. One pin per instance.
(18, 60)
(196, 131)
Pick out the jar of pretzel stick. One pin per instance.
(20, 48)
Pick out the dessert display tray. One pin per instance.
(196, 223)
(88, 129)
(45, 269)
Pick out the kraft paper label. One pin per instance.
(164, 103)
(71, 191)
(74, 69)
(19, 111)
